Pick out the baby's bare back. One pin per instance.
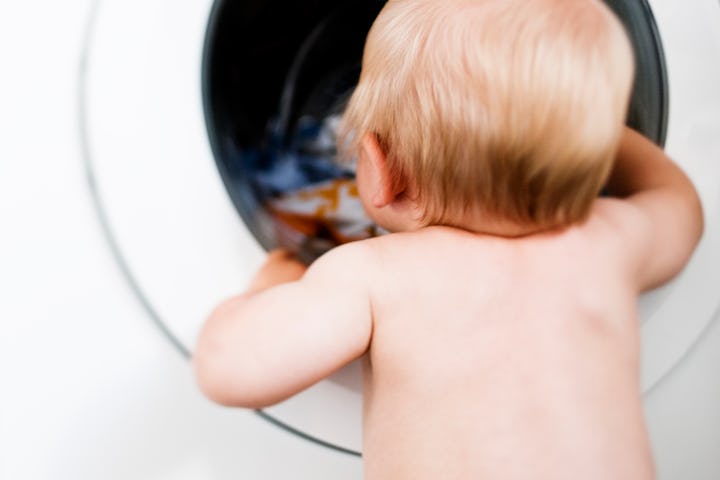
(503, 359)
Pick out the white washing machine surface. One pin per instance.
(183, 105)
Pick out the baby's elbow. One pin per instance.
(225, 387)
(209, 379)
(212, 361)
(689, 210)
(689, 235)
(232, 379)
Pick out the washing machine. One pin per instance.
(196, 116)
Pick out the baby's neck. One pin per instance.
(406, 217)
(487, 225)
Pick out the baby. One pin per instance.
(497, 324)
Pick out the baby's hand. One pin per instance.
(281, 266)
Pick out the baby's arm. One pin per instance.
(664, 221)
(262, 347)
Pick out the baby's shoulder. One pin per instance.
(350, 258)
(616, 234)
(615, 222)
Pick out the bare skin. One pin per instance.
(490, 352)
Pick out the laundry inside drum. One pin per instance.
(308, 190)
(276, 78)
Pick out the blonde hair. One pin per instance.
(514, 107)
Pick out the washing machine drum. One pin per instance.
(194, 176)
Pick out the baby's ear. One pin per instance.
(385, 188)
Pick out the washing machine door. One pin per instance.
(209, 112)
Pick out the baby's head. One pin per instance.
(508, 109)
